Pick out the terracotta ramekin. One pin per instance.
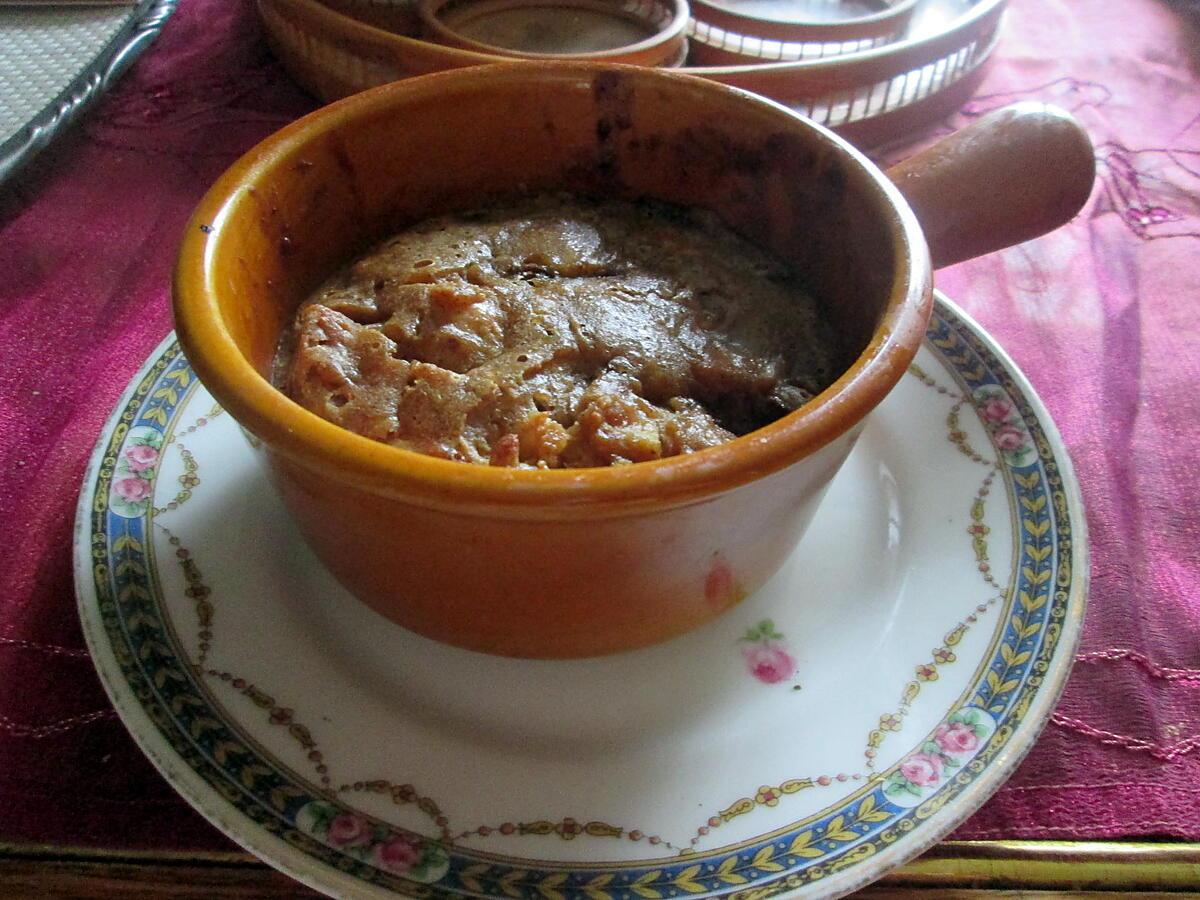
(569, 562)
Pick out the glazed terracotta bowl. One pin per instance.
(578, 562)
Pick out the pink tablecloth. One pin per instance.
(1102, 316)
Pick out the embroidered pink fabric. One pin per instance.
(1102, 315)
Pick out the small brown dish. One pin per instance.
(636, 32)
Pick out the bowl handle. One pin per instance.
(1017, 173)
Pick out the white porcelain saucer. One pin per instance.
(829, 728)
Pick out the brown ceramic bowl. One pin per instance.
(577, 562)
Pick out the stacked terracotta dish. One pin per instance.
(872, 69)
(656, 32)
(732, 32)
(638, 32)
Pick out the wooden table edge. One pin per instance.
(958, 868)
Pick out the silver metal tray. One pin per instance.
(56, 60)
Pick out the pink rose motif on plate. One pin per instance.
(922, 769)
(955, 737)
(766, 656)
(999, 415)
(398, 854)
(997, 409)
(946, 751)
(349, 830)
(141, 457)
(769, 662)
(1009, 438)
(416, 858)
(132, 490)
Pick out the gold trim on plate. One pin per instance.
(1085, 866)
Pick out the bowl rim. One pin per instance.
(305, 438)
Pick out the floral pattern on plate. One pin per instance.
(137, 466)
(766, 654)
(953, 744)
(1004, 423)
(399, 853)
